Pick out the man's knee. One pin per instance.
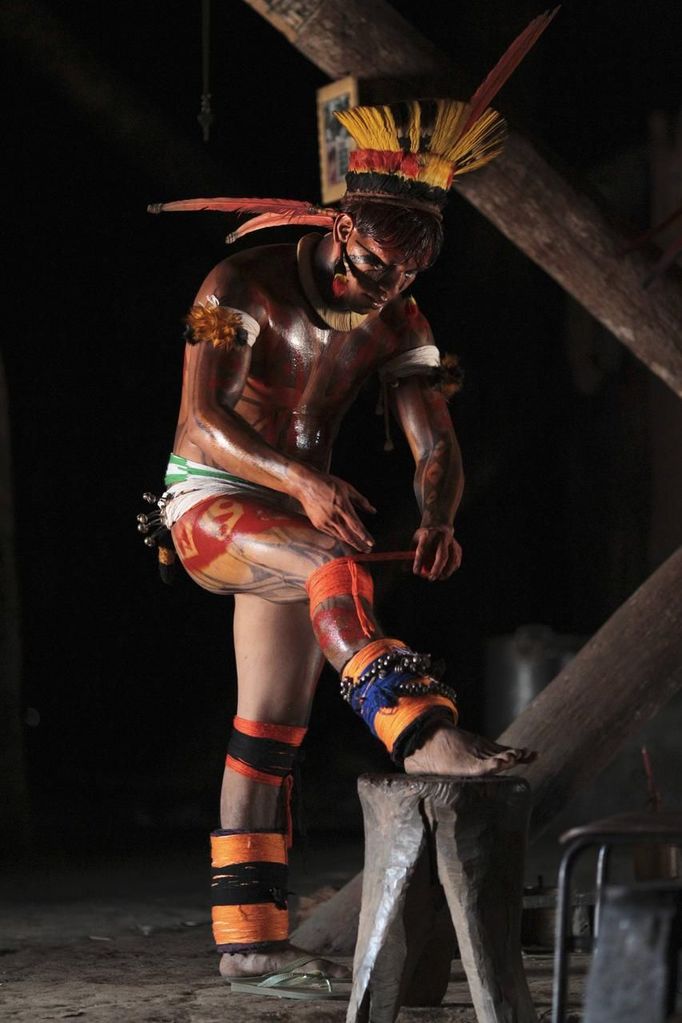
(343, 576)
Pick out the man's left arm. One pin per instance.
(423, 413)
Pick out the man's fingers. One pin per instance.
(360, 499)
(439, 561)
(418, 562)
(360, 538)
(454, 560)
(343, 533)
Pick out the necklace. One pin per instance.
(338, 319)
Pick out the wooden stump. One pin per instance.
(433, 842)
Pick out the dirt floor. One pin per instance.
(129, 942)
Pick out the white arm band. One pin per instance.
(408, 363)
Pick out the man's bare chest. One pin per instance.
(317, 370)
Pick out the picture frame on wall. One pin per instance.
(335, 144)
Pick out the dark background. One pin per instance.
(128, 685)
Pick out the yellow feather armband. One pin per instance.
(450, 375)
(221, 326)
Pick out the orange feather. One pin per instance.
(506, 65)
(225, 205)
(324, 218)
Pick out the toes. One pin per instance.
(524, 756)
(511, 753)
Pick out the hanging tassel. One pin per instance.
(382, 409)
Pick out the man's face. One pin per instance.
(376, 274)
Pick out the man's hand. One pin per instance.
(329, 503)
(438, 554)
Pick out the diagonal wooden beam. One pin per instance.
(627, 672)
(533, 205)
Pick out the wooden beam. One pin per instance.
(541, 213)
(619, 681)
(353, 37)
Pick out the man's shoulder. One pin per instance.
(262, 262)
(403, 321)
(255, 275)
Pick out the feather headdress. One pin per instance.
(408, 153)
(411, 152)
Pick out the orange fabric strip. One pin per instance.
(364, 657)
(290, 734)
(384, 556)
(249, 923)
(250, 772)
(391, 722)
(258, 847)
(342, 577)
(358, 587)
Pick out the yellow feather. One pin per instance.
(450, 119)
(415, 126)
(481, 144)
(448, 153)
(371, 127)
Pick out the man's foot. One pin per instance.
(449, 750)
(254, 964)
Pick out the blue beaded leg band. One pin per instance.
(397, 680)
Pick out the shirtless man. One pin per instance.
(281, 338)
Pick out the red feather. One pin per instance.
(323, 218)
(224, 205)
(506, 65)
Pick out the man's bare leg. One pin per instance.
(279, 562)
(279, 657)
(278, 665)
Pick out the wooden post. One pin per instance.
(550, 221)
(472, 832)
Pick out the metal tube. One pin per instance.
(561, 938)
(602, 870)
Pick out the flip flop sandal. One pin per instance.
(287, 983)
